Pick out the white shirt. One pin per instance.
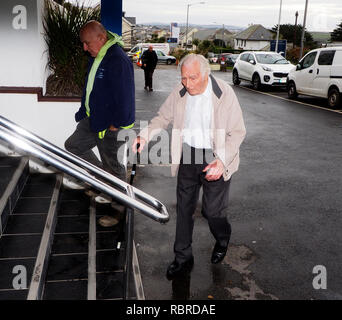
(198, 113)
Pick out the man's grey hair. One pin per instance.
(191, 58)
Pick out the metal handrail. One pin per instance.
(79, 162)
(63, 160)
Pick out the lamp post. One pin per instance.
(295, 31)
(187, 21)
(276, 48)
(303, 31)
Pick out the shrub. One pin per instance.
(66, 59)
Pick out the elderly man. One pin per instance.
(108, 103)
(208, 126)
(149, 62)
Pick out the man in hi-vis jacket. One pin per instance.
(208, 129)
(108, 103)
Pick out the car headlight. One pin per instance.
(266, 68)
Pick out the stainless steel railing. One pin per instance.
(29, 143)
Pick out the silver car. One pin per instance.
(163, 58)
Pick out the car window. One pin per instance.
(326, 57)
(266, 58)
(251, 57)
(244, 57)
(309, 60)
(160, 54)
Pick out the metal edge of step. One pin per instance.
(23, 164)
(137, 275)
(39, 271)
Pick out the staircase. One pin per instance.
(51, 246)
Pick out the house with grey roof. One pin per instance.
(215, 34)
(255, 37)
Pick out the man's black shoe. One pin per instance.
(176, 268)
(151, 89)
(146, 88)
(218, 254)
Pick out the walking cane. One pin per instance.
(134, 167)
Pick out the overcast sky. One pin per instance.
(322, 15)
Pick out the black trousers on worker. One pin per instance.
(83, 140)
(214, 203)
(148, 77)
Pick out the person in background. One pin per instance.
(149, 61)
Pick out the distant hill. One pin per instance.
(320, 37)
(183, 25)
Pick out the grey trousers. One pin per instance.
(83, 140)
(214, 204)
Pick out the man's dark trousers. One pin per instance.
(214, 204)
(148, 77)
(83, 140)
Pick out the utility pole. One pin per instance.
(187, 21)
(187, 24)
(295, 31)
(276, 48)
(303, 32)
(223, 44)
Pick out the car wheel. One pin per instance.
(168, 61)
(292, 91)
(334, 98)
(236, 80)
(256, 82)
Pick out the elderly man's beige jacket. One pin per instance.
(227, 125)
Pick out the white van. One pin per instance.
(136, 52)
(318, 74)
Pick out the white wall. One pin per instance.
(54, 121)
(23, 52)
(250, 45)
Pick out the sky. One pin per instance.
(322, 16)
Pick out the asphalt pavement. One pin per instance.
(285, 204)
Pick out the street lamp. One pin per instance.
(303, 31)
(276, 48)
(187, 21)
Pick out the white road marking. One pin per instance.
(303, 103)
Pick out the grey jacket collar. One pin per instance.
(215, 86)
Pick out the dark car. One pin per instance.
(231, 60)
(227, 59)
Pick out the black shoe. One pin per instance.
(151, 89)
(176, 268)
(146, 88)
(218, 254)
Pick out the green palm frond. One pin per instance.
(67, 60)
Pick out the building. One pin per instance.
(215, 34)
(255, 37)
(128, 31)
(189, 37)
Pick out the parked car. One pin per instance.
(222, 57)
(231, 59)
(212, 57)
(318, 74)
(164, 58)
(261, 68)
(136, 52)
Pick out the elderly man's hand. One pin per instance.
(214, 170)
(138, 140)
